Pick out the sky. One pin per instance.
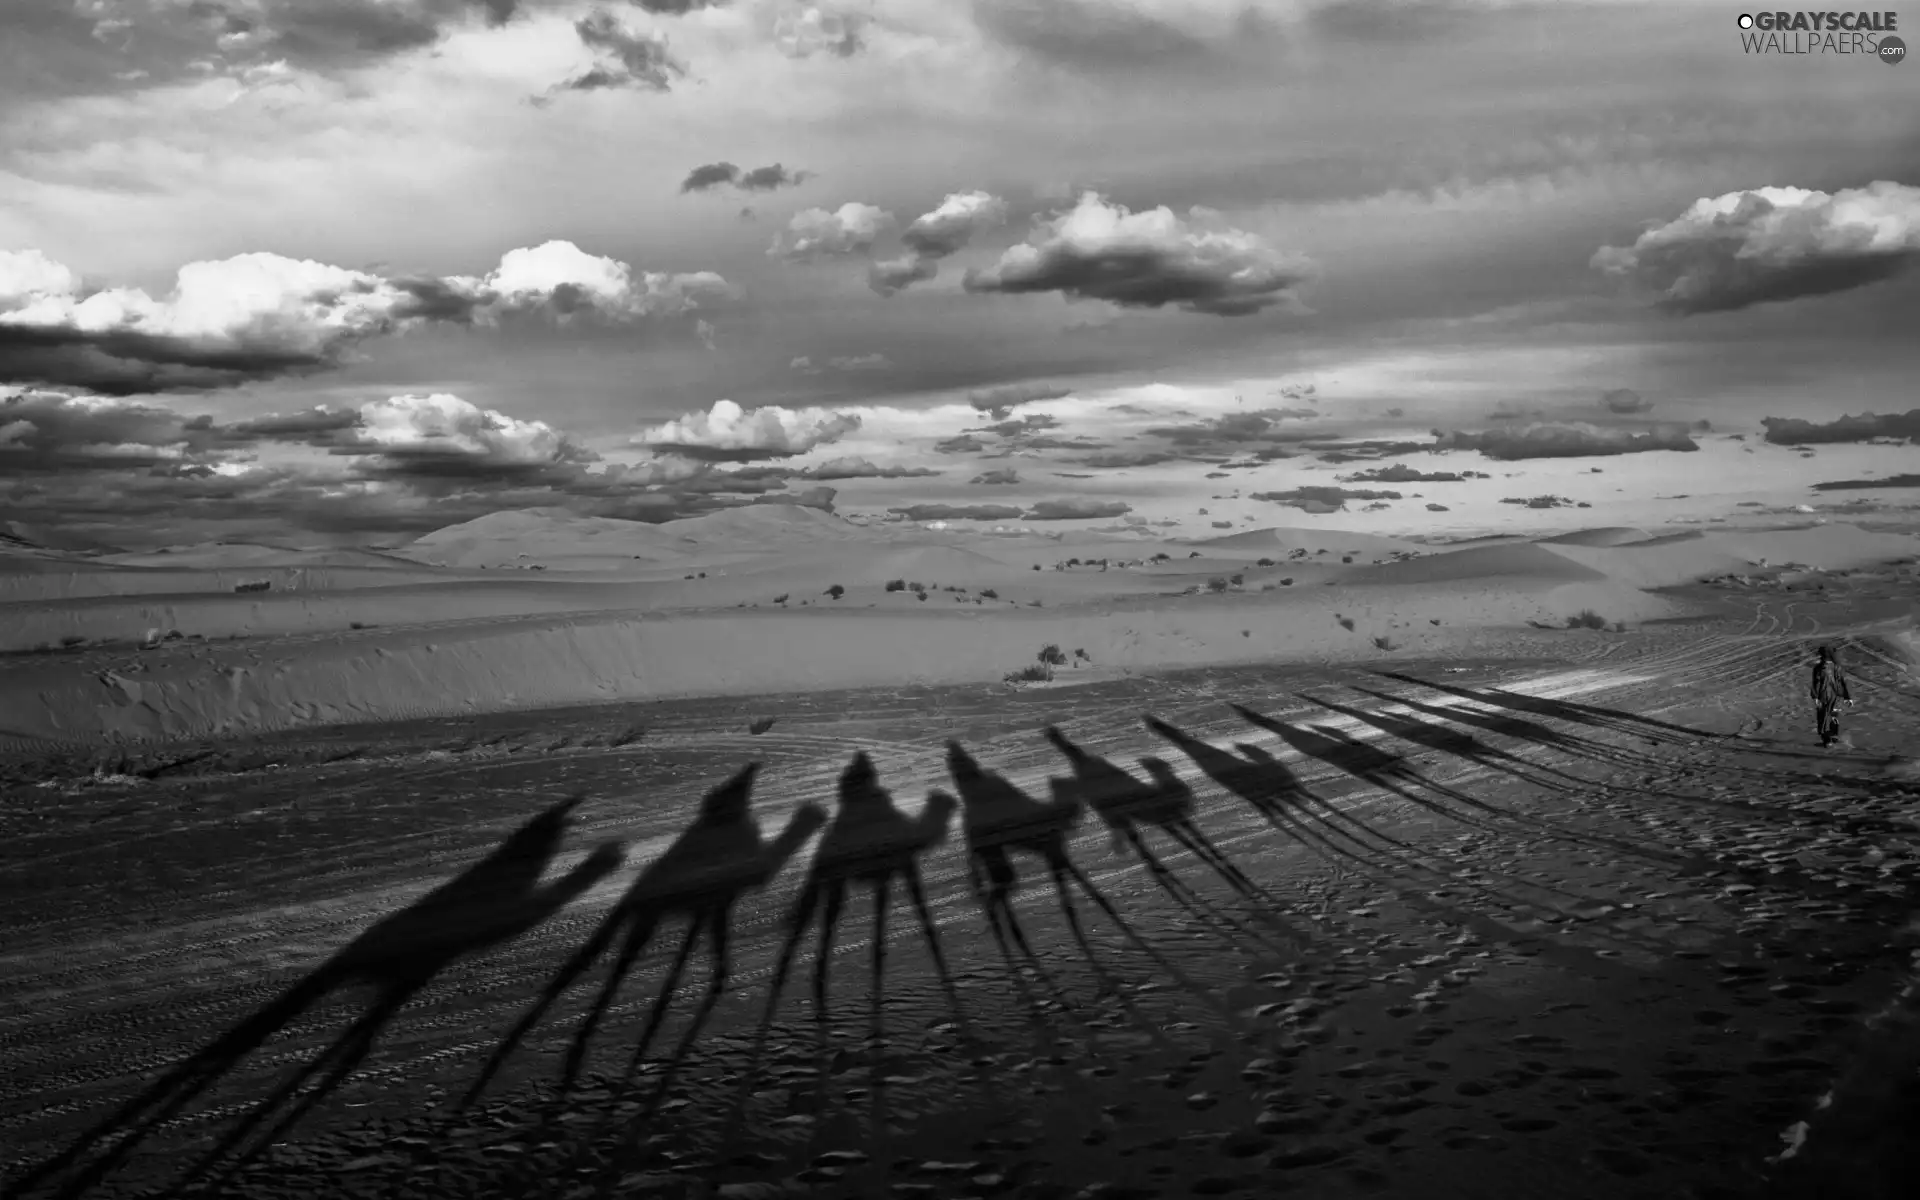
(356, 269)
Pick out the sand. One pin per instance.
(538, 608)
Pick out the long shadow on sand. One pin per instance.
(720, 858)
(492, 902)
(1001, 821)
(1128, 807)
(1571, 711)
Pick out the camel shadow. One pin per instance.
(1127, 806)
(718, 859)
(1456, 742)
(494, 901)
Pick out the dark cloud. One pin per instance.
(959, 512)
(1233, 427)
(1076, 509)
(1121, 459)
(1150, 259)
(1625, 400)
(1847, 485)
(1015, 427)
(1000, 402)
(859, 468)
(1401, 473)
(1322, 499)
(964, 444)
(627, 58)
(1566, 440)
(1772, 244)
(675, 8)
(1793, 431)
(1003, 476)
(759, 179)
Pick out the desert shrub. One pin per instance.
(1287, 582)
(1051, 655)
(1346, 623)
(1083, 654)
(1036, 566)
(1346, 558)
(1383, 643)
(836, 591)
(1032, 673)
(1237, 579)
(1433, 620)
(989, 593)
(72, 640)
(1586, 618)
(1073, 562)
(916, 587)
(356, 624)
(1619, 626)
(896, 585)
(1161, 557)
(1265, 562)
(922, 596)
(257, 586)
(1246, 633)
(760, 724)
(1217, 584)
(1194, 554)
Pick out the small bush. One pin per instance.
(1383, 643)
(1433, 620)
(1036, 566)
(1237, 579)
(1346, 623)
(258, 586)
(1194, 554)
(1246, 633)
(1083, 654)
(1161, 557)
(896, 585)
(989, 593)
(1217, 584)
(922, 596)
(760, 724)
(1033, 673)
(836, 591)
(1346, 558)
(1051, 655)
(1619, 626)
(916, 587)
(1586, 618)
(72, 640)
(781, 598)
(356, 624)
(1287, 582)
(1265, 562)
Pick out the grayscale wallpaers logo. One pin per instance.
(1868, 34)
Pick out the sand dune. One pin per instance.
(742, 602)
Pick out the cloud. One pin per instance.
(1122, 459)
(959, 512)
(1020, 426)
(1149, 259)
(1566, 440)
(963, 444)
(812, 232)
(1772, 244)
(810, 30)
(1077, 509)
(1126, 37)
(1849, 485)
(1626, 400)
(860, 468)
(624, 57)
(760, 179)
(671, 8)
(1004, 476)
(935, 235)
(1322, 499)
(728, 431)
(260, 315)
(999, 402)
(1402, 473)
(1793, 431)
(444, 436)
(1231, 427)
(841, 362)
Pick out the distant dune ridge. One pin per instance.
(543, 607)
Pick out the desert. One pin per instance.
(929, 600)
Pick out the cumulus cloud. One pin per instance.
(999, 402)
(1322, 499)
(446, 436)
(759, 179)
(1626, 400)
(1793, 431)
(1149, 259)
(47, 431)
(1772, 244)
(1571, 439)
(728, 431)
(809, 30)
(1076, 509)
(935, 235)
(959, 512)
(623, 57)
(1231, 427)
(259, 315)
(850, 467)
(814, 232)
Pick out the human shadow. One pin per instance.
(1571, 711)
(701, 875)
(1126, 806)
(494, 901)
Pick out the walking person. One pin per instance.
(1829, 692)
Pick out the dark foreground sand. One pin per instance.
(1618, 946)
